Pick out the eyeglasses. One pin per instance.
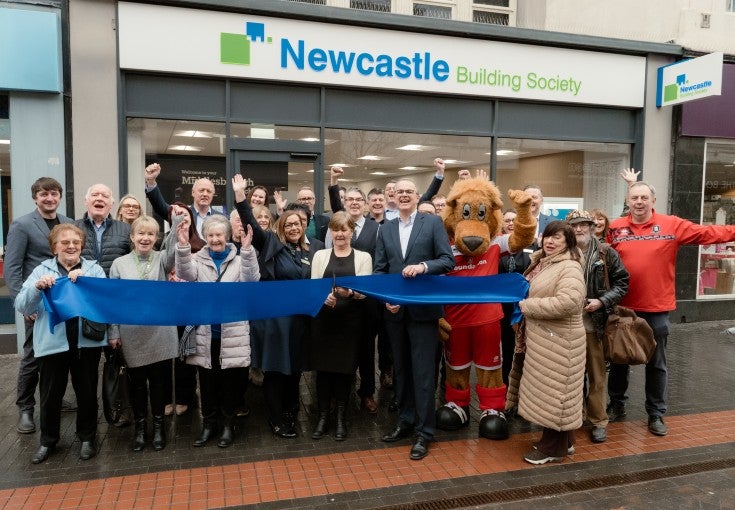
(292, 225)
(70, 243)
(130, 206)
(354, 199)
(305, 199)
(405, 192)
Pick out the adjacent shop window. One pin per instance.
(717, 261)
(371, 5)
(571, 175)
(730, 7)
(493, 12)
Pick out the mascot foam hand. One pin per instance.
(444, 329)
(524, 226)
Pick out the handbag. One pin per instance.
(93, 330)
(627, 339)
(115, 398)
(187, 342)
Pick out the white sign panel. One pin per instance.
(689, 79)
(169, 39)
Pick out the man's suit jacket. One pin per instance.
(321, 224)
(26, 247)
(428, 243)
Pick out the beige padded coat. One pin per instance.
(550, 392)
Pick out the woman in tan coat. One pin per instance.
(551, 386)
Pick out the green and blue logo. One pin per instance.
(682, 88)
(235, 48)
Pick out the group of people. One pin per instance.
(577, 269)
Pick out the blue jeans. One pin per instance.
(657, 375)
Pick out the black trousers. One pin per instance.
(281, 395)
(54, 370)
(220, 389)
(149, 380)
(415, 345)
(184, 379)
(332, 385)
(27, 372)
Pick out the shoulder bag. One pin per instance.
(627, 338)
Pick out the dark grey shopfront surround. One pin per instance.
(230, 101)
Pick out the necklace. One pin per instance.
(144, 270)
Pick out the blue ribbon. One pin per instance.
(142, 302)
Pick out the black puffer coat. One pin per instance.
(115, 241)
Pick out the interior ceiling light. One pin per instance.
(341, 165)
(4, 142)
(310, 171)
(414, 147)
(455, 162)
(378, 173)
(410, 168)
(188, 148)
(310, 139)
(292, 173)
(193, 134)
(373, 158)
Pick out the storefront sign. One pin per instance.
(691, 79)
(167, 39)
(30, 50)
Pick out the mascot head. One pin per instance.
(473, 215)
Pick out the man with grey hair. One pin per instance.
(537, 202)
(106, 238)
(648, 243)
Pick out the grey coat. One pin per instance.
(235, 350)
(144, 345)
(26, 247)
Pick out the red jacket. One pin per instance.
(649, 253)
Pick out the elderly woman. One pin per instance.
(550, 392)
(335, 330)
(279, 344)
(129, 209)
(148, 350)
(222, 354)
(63, 350)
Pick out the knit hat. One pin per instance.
(577, 216)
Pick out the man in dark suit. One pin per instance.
(318, 223)
(27, 246)
(413, 244)
(537, 201)
(202, 193)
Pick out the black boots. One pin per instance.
(227, 436)
(340, 429)
(321, 426)
(159, 434)
(139, 437)
(208, 430)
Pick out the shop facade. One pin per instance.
(703, 190)
(33, 115)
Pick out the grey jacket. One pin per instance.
(26, 247)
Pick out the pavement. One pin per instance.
(692, 467)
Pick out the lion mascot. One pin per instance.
(471, 332)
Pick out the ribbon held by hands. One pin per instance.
(143, 302)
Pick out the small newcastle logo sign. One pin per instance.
(235, 48)
(689, 79)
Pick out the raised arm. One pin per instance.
(335, 202)
(153, 192)
(436, 182)
(246, 212)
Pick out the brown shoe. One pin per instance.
(369, 404)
